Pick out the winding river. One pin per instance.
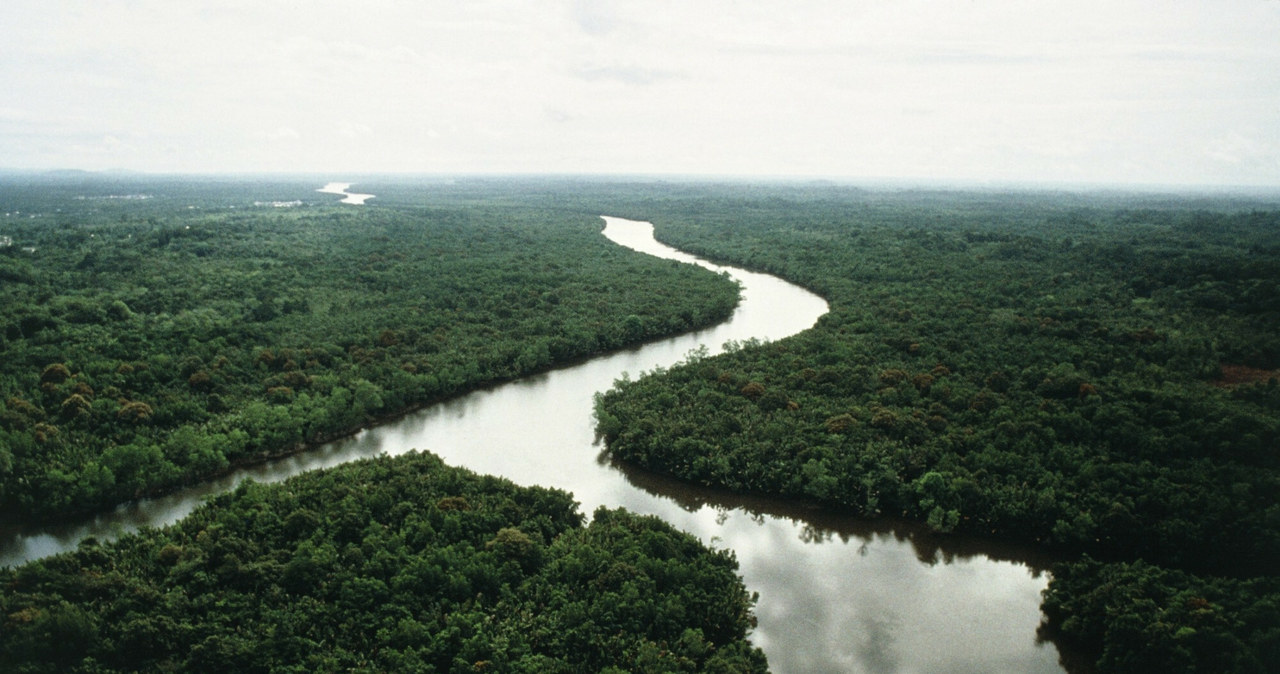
(837, 594)
(350, 197)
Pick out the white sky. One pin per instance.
(1169, 91)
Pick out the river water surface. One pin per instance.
(350, 197)
(837, 594)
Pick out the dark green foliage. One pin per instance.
(1143, 618)
(392, 564)
(1089, 376)
(1095, 373)
(154, 342)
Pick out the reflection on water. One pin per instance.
(841, 593)
(818, 525)
(836, 593)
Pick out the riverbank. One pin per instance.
(27, 538)
(246, 333)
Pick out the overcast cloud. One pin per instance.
(1174, 91)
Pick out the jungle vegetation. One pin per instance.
(384, 565)
(1092, 374)
(157, 331)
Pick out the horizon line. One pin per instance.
(844, 180)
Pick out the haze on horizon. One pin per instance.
(1127, 92)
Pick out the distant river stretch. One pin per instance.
(341, 188)
(837, 594)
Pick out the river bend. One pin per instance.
(837, 594)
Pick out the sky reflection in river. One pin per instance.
(836, 593)
(350, 197)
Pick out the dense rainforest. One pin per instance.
(156, 331)
(384, 565)
(1090, 373)
(1093, 374)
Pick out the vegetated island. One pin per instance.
(1094, 374)
(154, 343)
(384, 565)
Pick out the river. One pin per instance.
(349, 197)
(837, 594)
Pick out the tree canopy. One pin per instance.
(389, 564)
(157, 332)
(1090, 374)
